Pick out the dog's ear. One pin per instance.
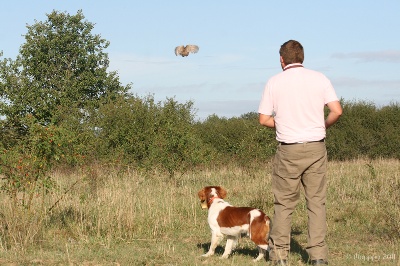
(203, 198)
(221, 192)
(202, 194)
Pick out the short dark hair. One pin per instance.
(292, 52)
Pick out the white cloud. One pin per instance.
(391, 56)
(381, 92)
(365, 83)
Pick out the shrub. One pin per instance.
(25, 168)
(365, 131)
(141, 132)
(240, 138)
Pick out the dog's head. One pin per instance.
(207, 194)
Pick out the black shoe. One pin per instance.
(319, 262)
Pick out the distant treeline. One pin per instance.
(364, 130)
(139, 132)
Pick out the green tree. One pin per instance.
(48, 96)
(61, 70)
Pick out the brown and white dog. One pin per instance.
(225, 219)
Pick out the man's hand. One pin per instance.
(335, 111)
(267, 120)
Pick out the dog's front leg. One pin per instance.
(230, 244)
(215, 238)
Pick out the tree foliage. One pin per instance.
(47, 97)
(241, 138)
(140, 132)
(62, 67)
(364, 130)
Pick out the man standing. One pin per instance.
(293, 103)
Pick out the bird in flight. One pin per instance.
(185, 50)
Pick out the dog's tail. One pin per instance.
(266, 232)
(261, 234)
(259, 228)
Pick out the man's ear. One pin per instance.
(283, 65)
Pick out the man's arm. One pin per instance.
(267, 120)
(335, 111)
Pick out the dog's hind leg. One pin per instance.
(262, 252)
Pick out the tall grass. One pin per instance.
(113, 216)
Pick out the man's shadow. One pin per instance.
(295, 247)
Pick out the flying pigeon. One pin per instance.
(185, 50)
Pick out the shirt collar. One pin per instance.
(292, 66)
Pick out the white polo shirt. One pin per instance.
(296, 98)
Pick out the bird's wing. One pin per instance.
(192, 48)
(179, 50)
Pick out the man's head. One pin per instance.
(291, 52)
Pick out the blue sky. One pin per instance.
(355, 43)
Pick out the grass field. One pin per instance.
(106, 216)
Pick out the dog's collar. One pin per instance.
(212, 199)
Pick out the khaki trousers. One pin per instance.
(296, 165)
